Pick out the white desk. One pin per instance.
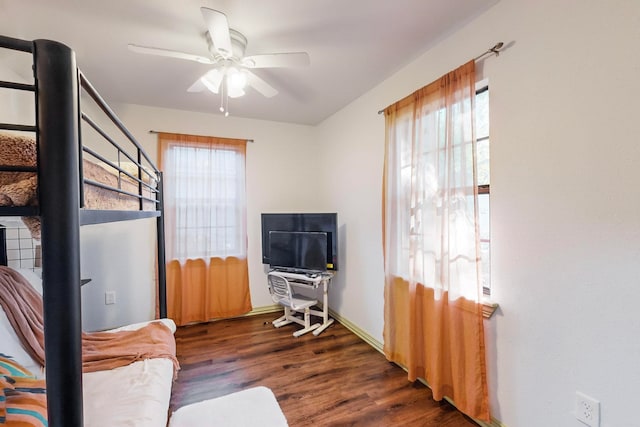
(313, 282)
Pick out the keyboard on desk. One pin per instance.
(309, 278)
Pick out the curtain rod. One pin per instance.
(159, 131)
(495, 49)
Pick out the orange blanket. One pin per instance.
(100, 350)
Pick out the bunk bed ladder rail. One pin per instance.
(27, 47)
(137, 160)
(162, 266)
(56, 128)
(58, 177)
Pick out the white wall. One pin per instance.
(564, 102)
(353, 159)
(116, 262)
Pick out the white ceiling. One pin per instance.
(353, 45)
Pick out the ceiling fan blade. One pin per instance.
(277, 60)
(197, 86)
(170, 53)
(218, 30)
(260, 85)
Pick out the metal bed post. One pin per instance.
(3, 245)
(57, 112)
(162, 266)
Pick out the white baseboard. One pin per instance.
(494, 422)
(356, 330)
(265, 309)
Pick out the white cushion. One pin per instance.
(134, 395)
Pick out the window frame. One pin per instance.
(485, 188)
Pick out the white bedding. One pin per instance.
(134, 395)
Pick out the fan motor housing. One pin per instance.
(238, 44)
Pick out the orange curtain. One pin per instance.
(205, 222)
(433, 314)
(197, 291)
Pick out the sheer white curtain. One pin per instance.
(205, 200)
(433, 318)
(205, 220)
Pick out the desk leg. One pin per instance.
(322, 327)
(313, 327)
(326, 321)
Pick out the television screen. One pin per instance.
(318, 222)
(295, 250)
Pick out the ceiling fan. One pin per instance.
(231, 68)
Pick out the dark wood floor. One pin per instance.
(334, 379)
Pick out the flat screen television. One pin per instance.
(298, 250)
(318, 222)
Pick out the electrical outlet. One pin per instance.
(587, 410)
(110, 297)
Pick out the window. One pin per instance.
(207, 202)
(483, 173)
(205, 199)
(436, 122)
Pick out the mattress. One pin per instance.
(20, 188)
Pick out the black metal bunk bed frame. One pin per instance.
(57, 83)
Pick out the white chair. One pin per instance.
(281, 293)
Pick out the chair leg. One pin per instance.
(285, 319)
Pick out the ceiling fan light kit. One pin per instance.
(211, 81)
(236, 79)
(231, 73)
